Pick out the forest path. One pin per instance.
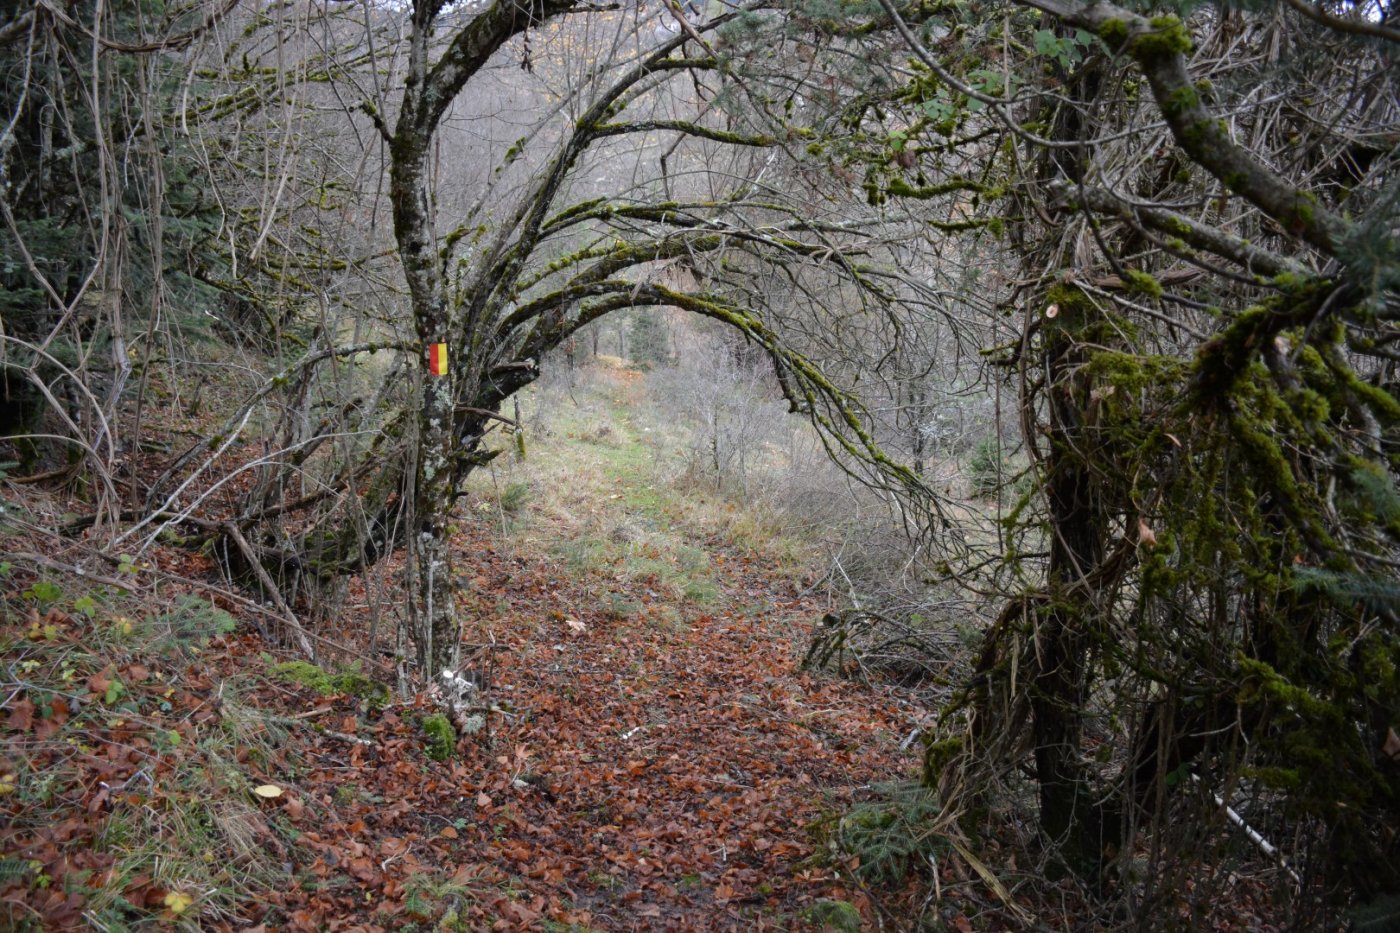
(653, 760)
(657, 760)
(662, 774)
(663, 764)
(648, 771)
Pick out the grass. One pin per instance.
(436, 904)
(125, 785)
(604, 493)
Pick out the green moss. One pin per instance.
(960, 226)
(1289, 281)
(304, 675)
(1221, 360)
(1177, 226)
(351, 683)
(900, 188)
(441, 740)
(1277, 778)
(839, 916)
(1272, 469)
(938, 754)
(1381, 403)
(1178, 102)
(358, 685)
(1142, 283)
(1196, 134)
(1070, 300)
(1133, 373)
(1310, 406)
(1303, 213)
(1114, 33)
(1168, 37)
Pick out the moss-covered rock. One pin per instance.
(839, 916)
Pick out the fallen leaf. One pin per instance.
(1146, 536)
(177, 902)
(22, 715)
(100, 682)
(482, 800)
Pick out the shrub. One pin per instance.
(987, 468)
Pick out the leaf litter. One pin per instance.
(641, 771)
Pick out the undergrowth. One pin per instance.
(886, 838)
(605, 486)
(126, 765)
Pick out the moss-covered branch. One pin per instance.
(1159, 46)
(1172, 224)
(684, 127)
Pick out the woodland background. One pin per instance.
(1040, 357)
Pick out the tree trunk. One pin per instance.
(1070, 815)
(415, 231)
(445, 451)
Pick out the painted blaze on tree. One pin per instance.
(437, 359)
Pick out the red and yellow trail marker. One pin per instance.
(437, 359)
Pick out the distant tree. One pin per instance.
(648, 340)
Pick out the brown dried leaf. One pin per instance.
(22, 715)
(1391, 748)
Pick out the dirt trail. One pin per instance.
(648, 773)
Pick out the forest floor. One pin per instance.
(653, 757)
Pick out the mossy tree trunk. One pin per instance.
(429, 90)
(1065, 624)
